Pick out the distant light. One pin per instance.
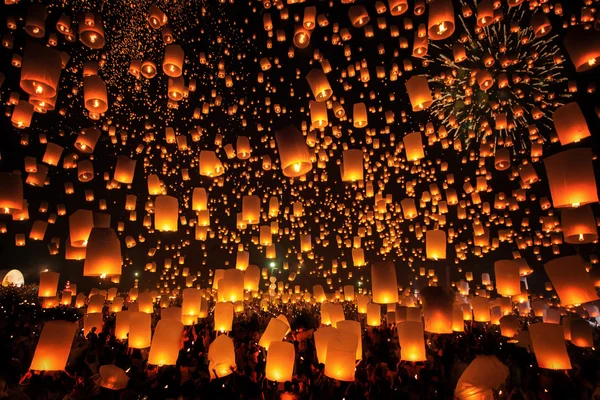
(137, 273)
(272, 264)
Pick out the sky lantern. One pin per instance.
(384, 282)
(358, 16)
(549, 346)
(87, 139)
(373, 314)
(11, 193)
(485, 13)
(319, 85)
(508, 278)
(398, 7)
(419, 92)
(322, 336)
(301, 37)
(573, 186)
(280, 361)
(509, 325)
(156, 17)
(481, 309)
(437, 310)
(124, 170)
(413, 146)
(221, 357)
(482, 379)
(166, 214)
(251, 209)
(91, 30)
(95, 96)
(140, 331)
(441, 20)
(210, 165)
(103, 254)
(164, 349)
(48, 284)
(173, 60)
(223, 317)
(359, 115)
(341, 355)
(583, 46)
(54, 346)
(22, 115)
(95, 304)
(412, 341)
(581, 333)
(570, 124)
(293, 152)
(35, 20)
(571, 281)
(190, 308)
(579, 225)
(355, 328)
(251, 278)
(40, 72)
(435, 241)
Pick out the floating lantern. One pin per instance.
(571, 281)
(549, 346)
(384, 283)
(280, 361)
(441, 20)
(223, 317)
(103, 254)
(419, 92)
(341, 355)
(508, 278)
(164, 349)
(54, 346)
(579, 225)
(435, 242)
(575, 185)
(412, 342)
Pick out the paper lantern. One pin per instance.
(231, 289)
(352, 165)
(322, 336)
(508, 279)
(91, 31)
(435, 242)
(341, 355)
(437, 310)
(124, 170)
(87, 139)
(293, 152)
(359, 115)
(173, 60)
(581, 333)
(95, 304)
(48, 284)
(398, 7)
(223, 316)
(251, 209)
(40, 72)
(164, 349)
(412, 342)
(140, 330)
(571, 178)
(549, 346)
(373, 314)
(251, 278)
(571, 281)
(362, 300)
(570, 124)
(81, 223)
(166, 214)
(409, 209)
(103, 253)
(191, 303)
(94, 94)
(280, 361)
(122, 325)
(145, 303)
(481, 309)
(210, 165)
(384, 283)
(35, 21)
(221, 357)
(355, 328)
(22, 115)
(301, 37)
(171, 313)
(54, 346)
(583, 46)
(481, 379)
(11, 193)
(509, 325)
(441, 20)
(112, 377)
(319, 85)
(199, 199)
(458, 323)
(413, 146)
(579, 225)
(419, 92)
(348, 293)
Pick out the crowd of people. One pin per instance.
(379, 375)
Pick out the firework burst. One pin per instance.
(498, 83)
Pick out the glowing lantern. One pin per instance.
(441, 20)
(40, 72)
(94, 94)
(81, 223)
(570, 124)
(481, 309)
(164, 349)
(140, 331)
(232, 288)
(359, 115)
(322, 337)
(319, 85)
(210, 165)
(413, 146)
(96, 304)
(92, 321)
(437, 310)
(223, 317)
(508, 278)
(124, 170)
(251, 278)
(549, 346)
(571, 281)
(509, 325)
(419, 92)
(579, 225)
(355, 328)
(362, 301)
(221, 357)
(87, 139)
(341, 355)
(435, 242)
(53, 347)
(35, 21)
(173, 60)
(91, 31)
(103, 254)
(581, 333)
(575, 185)
(373, 314)
(48, 284)
(412, 342)
(251, 209)
(199, 199)
(22, 114)
(398, 7)
(352, 165)
(280, 365)
(166, 214)
(384, 283)
(318, 114)
(145, 303)
(583, 46)
(293, 152)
